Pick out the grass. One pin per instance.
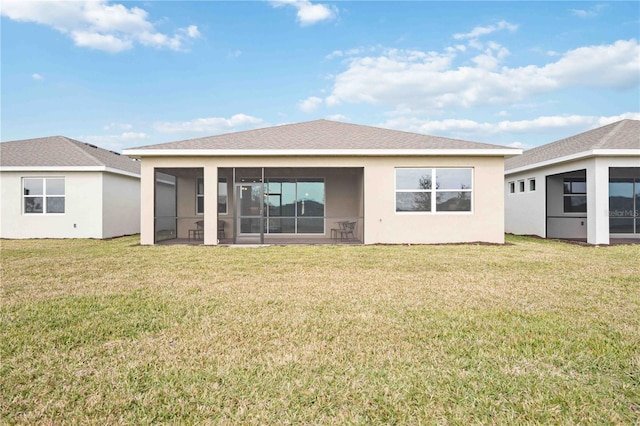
(108, 332)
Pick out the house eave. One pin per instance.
(499, 152)
(62, 169)
(578, 156)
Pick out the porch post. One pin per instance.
(147, 203)
(210, 205)
(597, 203)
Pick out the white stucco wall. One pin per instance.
(526, 213)
(382, 224)
(83, 207)
(120, 205)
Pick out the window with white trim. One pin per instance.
(512, 187)
(521, 186)
(222, 196)
(532, 184)
(434, 189)
(575, 195)
(43, 195)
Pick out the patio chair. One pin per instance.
(346, 231)
(198, 233)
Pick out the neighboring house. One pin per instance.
(56, 187)
(322, 181)
(585, 187)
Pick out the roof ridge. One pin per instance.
(76, 144)
(609, 135)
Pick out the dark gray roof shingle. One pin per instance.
(623, 134)
(60, 151)
(321, 135)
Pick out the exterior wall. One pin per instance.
(83, 207)
(484, 223)
(527, 213)
(120, 205)
(381, 223)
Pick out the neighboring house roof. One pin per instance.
(60, 152)
(320, 137)
(619, 138)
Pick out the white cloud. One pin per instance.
(338, 117)
(309, 13)
(430, 80)
(121, 126)
(37, 76)
(210, 125)
(310, 104)
(97, 24)
(464, 128)
(482, 31)
(587, 13)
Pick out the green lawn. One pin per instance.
(109, 332)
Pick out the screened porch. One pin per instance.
(282, 205)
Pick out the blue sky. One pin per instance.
(125, 74)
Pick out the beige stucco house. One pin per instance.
(325, 182)
(57, 187)
(585, 187)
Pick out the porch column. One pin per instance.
(597, 203)
(147, 202)
(210, 205)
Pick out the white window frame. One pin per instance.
(532, 182)
(512, 187)
(220, 182)
(521, 186)
(434, 191)
(44, 195)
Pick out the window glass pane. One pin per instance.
(311, 226)
(282, 226)
(521, 186)
(33, 204)
(310, 199)
(621, 199)
(453, 178)
(55, 186)
(575, 204)
(199, 204)
(620, 226)
(512, 187)
(579, 187)
(222, 197)
(274, 202)
(288, 202)
(32, 186)
(453, 201)
(55, 204)
(413, 179)
(413, 201)
(200, 186)
(532, 185)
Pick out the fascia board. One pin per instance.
(67, 169)
(578, 156)
(501, 152)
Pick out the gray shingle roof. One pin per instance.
(321, 135)
(623, 134)
(60, 151)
